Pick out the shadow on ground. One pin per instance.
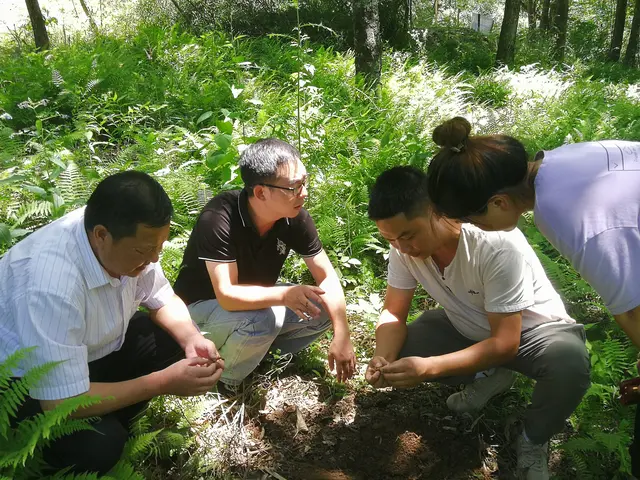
(376, 435)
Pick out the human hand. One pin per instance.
(406, 372)
(373, 375)
(190, 376)
(342, 356)
(303, 299)
(197, 346)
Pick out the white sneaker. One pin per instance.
(477, 394)
(533, 460)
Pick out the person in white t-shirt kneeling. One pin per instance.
(500, 315)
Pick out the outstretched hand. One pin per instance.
(342, 357)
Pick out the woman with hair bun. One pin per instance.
(585, 198)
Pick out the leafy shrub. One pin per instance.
(490, 91)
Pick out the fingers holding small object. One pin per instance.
(311, 309)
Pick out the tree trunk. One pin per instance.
(634, 36)
(618, 31)
(368, 47)
(38, 25)
(507, 41)
(436, 8)
(531, 14)
(560, 27)
(545, 22)
(394, 22)
(87, 12)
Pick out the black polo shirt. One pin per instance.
(224, 232)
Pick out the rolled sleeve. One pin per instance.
(398, 274)
(59, 339)
(153, 289)
(508, 282)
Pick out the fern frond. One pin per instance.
(72, 184)
(91, 84)
(169, 443)
(35, 210)
(11, 363)
(56, 78)
(123, 470)
(139, 444)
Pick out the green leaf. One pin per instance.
(39, 126)
(37, 190)
(223, 140)
(5, 234)
(225, 127)
(236, 91)
(203, 117)
(12, 179)
(385, 138)
(55, 158)
(19, 232)
(214, 159)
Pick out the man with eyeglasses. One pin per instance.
(230, 270)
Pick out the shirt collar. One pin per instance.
(243, 208)
(94, 274)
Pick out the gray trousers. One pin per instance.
(243, 338)
(554, 355)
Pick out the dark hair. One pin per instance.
(260, 161)
(469, 170)
(399, 190)
(125, 200)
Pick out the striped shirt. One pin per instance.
(55, 295)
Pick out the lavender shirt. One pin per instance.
(588, 207)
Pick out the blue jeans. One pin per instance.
(243, 338)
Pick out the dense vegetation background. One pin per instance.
(178, 88)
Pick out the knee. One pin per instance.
(322, 322)
(568, 361)
(90, 450)
(266, 322)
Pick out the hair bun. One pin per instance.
(452, 133)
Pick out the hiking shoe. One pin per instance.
(533, 460)
(477, 394)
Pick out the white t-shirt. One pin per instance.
(55, 295)
(496, 272)
(588, 206)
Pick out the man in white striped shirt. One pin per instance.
(72, 289)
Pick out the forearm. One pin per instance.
(251, 297)
(483, 355)
(391, 334)
(630, 323)
(116, 396)
(174, 318)
(335, 305)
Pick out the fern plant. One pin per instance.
(21, 447)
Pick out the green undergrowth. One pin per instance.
(182, 107)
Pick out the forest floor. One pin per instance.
(295, 424)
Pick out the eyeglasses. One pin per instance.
(467, 218)
(297, 190)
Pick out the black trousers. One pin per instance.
(147, 348)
